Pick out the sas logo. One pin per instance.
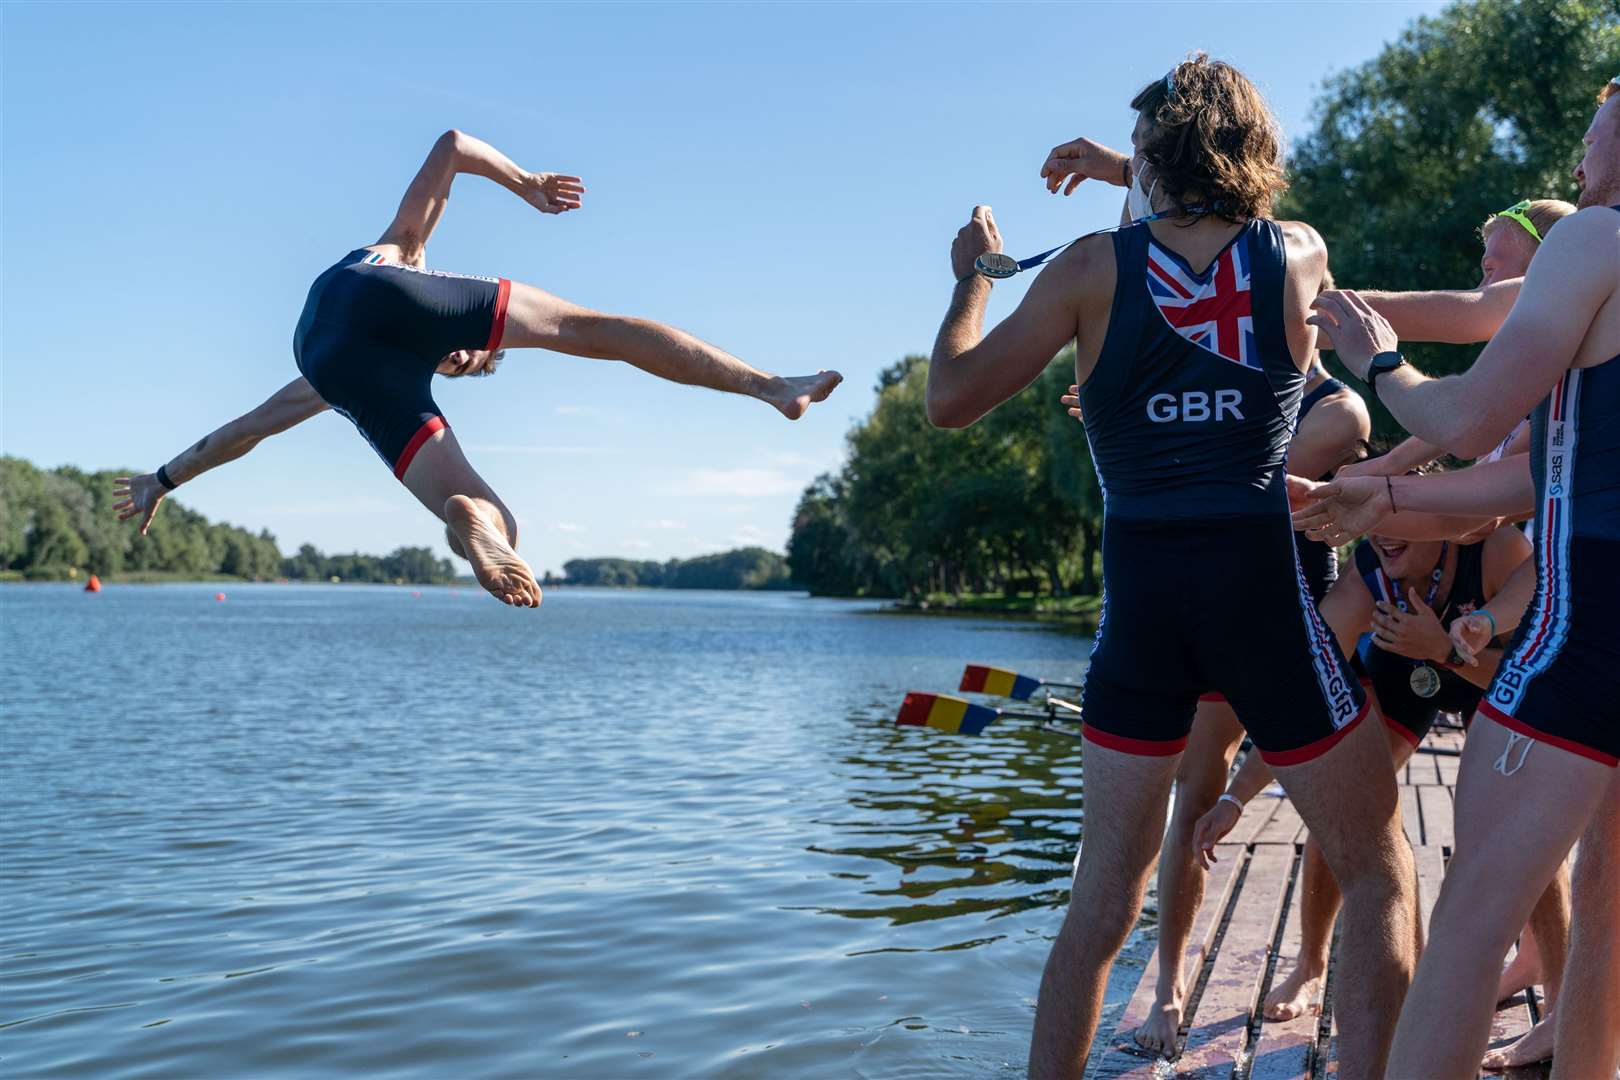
(1194, 407)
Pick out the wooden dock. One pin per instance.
(1247, 934)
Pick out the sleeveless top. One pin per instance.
(1391, 672)
(1195, 392)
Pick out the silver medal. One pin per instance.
(1425, 681)
(996, 264)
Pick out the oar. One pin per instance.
(961, 717)
(979, 679)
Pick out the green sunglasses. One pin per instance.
(1516, 212)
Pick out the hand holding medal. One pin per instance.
(1412, 629)
(978, 240)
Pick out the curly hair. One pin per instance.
(1213, 139)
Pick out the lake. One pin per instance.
(317, 830)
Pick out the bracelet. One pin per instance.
(1389, 487)
(163, 478)
(1487, 613)
(1228, 797)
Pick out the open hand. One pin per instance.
(1082, 159)
(1343, 509)
(1357, 331)
(552, 193)
(142, 496)
(1415, 633)
(975, 238)
(1212, 828)
(1072, 400)
(1469, 635)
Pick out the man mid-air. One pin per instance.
(377, 327)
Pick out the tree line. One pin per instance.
(58, 522)
(743, 568)
(1467, 112)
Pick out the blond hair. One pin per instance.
(1543, 214)
(1610, 88)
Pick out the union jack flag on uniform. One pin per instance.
(1213, 309)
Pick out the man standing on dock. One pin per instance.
(1192, 349)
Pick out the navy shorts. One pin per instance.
(1221, 604)
(1560, 679)
(372, 334)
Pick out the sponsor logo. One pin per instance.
(1195, 407)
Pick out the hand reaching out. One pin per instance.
(1470, 634)
(142, 496)
(1082, 159)
(552, 193)
(1344, 509)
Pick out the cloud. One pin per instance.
(663, 523)
(735, 483)
(361, 505)
(568, 527)
(634, 545)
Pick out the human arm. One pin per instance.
(454, 153)
(1329, 435)
(1251, 779)
(1411, 453)
(1349, 507)
(1463, 317)
(971, 374)
(142, 494)
(1504, 607)
(1575, 273)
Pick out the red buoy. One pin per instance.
(93, 585)
(219, 596)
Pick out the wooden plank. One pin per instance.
(1431, 870)
(1284, 1048)
(1411, 821)
(1511, 1022)
(1421, 769)
(1447, 767)
(1220, 1031)
(1437, 824)
(1283, 828)
(1256, 816)
(1123, 1058)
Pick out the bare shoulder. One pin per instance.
(1303, 241)
(1592, 231)
(1087, 265)
(1504, 550)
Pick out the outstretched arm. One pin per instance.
(1459, 318)
(454, 153)
(968, 376)
(292, 404)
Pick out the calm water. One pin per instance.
(316, 829)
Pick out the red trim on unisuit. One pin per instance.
(497, 325)
(1140, 747)
(1212, 697)
(1310, 751)
(1401, 729)
(423, 434)
(1515, 724)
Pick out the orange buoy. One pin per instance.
(219, 596)
(93, 585)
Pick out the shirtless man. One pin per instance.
(1556, 689)
(1191, 356)
(377, 327)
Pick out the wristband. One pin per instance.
(1487, 613)
(163, 478)
(1228, 797)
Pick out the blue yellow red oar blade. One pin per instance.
(944, 713)
(979, 679)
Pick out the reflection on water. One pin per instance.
(318, 829)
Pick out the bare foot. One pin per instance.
(1295, 996)
(1535, 1045)
(494, 563)
(1523, 971)
(1158, 1035)
(792, 396)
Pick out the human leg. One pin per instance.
(1125, 811)
(1200, 779)
(1501, 864)
(535, 319)
(1588, 1034)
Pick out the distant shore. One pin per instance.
(1079, 612)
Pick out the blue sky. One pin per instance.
(783, 180)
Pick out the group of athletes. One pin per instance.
(1216, 433)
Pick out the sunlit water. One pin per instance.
(314, 830)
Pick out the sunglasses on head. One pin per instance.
(1516, 213)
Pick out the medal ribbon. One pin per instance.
(1194, 211)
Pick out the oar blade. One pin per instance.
(979, 679)
(944, 713)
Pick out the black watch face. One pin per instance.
(996, 264)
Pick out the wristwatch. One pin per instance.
(1382, 363)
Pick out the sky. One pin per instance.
(783, 180)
